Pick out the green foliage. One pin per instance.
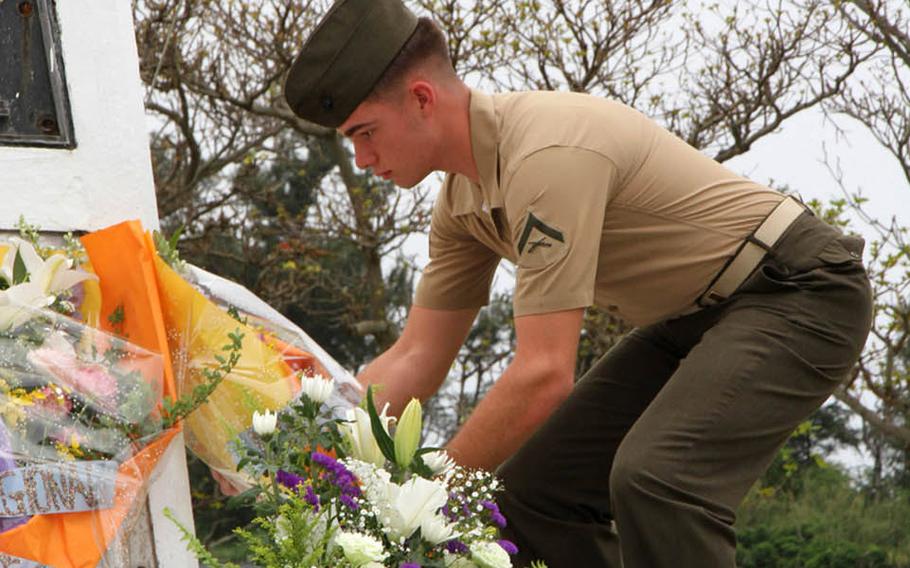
(296, 531)
(807, 449)
(20, 273)
(167, 249)
(797, 547)
(383, 440)
(195, 546)
(30, 233)
(215, 515)
(830, 523)
(116, 318)
(177, 410)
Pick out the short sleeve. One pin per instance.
(461, 268)
(556, 201)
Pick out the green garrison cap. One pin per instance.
(345, 57)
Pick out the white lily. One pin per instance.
(435, 530)
(359, 432)
(318, 388)
(52, 275)
(46, 278)
(412, 503)
(402, 509)
(17, 304)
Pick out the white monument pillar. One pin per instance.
(105, 178)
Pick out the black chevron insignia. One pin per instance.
(535, 223)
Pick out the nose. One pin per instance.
(363, 157)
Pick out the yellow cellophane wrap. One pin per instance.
(197, 330)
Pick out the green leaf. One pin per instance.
(386, 445)
(20, 273)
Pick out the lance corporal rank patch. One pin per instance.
(540, 243)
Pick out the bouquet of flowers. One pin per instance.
(76, 406)
(359, 491)
(70, 393)
(81, 428)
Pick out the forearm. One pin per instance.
(418, 362)
(522, 399)
(399, 375)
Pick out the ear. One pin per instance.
(424, 94)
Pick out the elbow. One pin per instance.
(558, 387)
(550, 382)
(546, 395)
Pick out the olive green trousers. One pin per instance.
(646, 462)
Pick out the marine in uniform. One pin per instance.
(749, 311)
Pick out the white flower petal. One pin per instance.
(18, 302)
(359, 432)
(416, 499)
(435, 530)
(490, 555)
(264, 424)
(360, 549)
(318, 388)
(30, 258)
(66, 279)
(439, 462)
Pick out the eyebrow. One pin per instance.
(353, 130)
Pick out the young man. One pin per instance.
(749, 310)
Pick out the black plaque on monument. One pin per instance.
(34, 106)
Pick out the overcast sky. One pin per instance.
(795, 155)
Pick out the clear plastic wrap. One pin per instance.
(78, 410)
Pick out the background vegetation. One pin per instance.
(276, 203)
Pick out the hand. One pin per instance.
(227, 487)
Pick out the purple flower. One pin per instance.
(349, 502)
(495, 515)
(325, 460)
(311, 497)
(455, 546)
(339, 476)
(508, 546)
(490, 506)
(288, 479)
(409, 565)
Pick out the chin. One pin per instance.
(409, 182)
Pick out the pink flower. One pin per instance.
(54, 402)
(58, 359)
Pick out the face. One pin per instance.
(390, 138)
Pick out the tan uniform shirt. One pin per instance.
(593, 202)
